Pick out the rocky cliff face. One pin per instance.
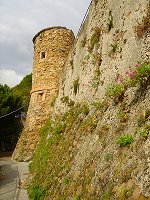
(96, 144)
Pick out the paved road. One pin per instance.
(11, 175)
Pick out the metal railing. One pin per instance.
(84, 19)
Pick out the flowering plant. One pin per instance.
(138, 74)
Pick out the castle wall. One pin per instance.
(51, 48)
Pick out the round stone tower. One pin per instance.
(51, 48)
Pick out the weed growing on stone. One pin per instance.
(71, 64)
(84, 108)
(139, 74)
(99, 106)
(77, 197)
(37, 192)
(115, 91)
(110, 21)
(114, 48)
(122, 116)
(66, 181)
(52, 103)
(125, 140)
(95, 38)
(83, 42)
(71, 103)
(97, 58)
(143, 132)
(125, 193)
(96, 79)
(143, 27)
(89, 124)
(76, 86)
(65, 99)
(108, 156)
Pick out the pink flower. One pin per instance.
(137, 65)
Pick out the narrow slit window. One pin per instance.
(43, 55)
(39, 96)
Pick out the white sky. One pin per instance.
(20, 20)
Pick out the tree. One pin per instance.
(22, 90)
(10, 126)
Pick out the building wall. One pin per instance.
(51, 48)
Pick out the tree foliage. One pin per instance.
(12, 99)
(9, 125)
(22, 90)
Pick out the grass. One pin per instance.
(36, 192)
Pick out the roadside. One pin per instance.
(13, 176)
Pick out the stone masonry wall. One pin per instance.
(51, 47)
(107, 45)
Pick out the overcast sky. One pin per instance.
(20, 20)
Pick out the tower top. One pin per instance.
(49, 28)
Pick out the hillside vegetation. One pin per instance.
(22, 90)
(11, 100)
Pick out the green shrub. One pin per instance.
(36, 192)
(138, 74)
(99, 106)
(115, 91)
(125, 140)
(77, 197)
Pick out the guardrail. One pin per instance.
(84, 18)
